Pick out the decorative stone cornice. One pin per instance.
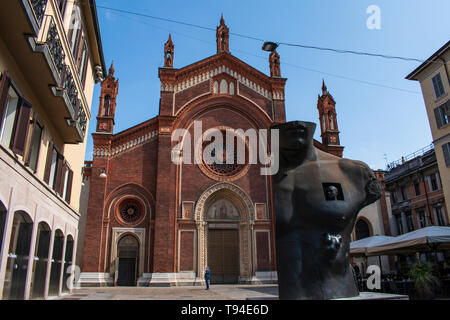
(123, 146)
(177, 80)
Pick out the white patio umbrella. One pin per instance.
(428, 239)
(359, 247)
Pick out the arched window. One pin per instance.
(107, 105)
(362, 229)
(127, 254)
(231, 88)
(57, 257)
(216, 87)
(68, 257)
(18, 257)
(223, 86)
(128, 247)
(40, 260)
(330, 117)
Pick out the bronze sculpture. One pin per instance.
(317, 198)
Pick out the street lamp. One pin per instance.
(269, 46)
(103, 174)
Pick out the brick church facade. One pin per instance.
(150, 221)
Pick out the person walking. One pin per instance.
(207, 277)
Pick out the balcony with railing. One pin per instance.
(38, 9)
(410, 163)
(39, 45)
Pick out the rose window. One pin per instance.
(224, 168)
(130, 212)
(220, 161)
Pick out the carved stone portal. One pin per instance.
(225, 205)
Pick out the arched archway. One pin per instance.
(127, 255)
(55, 272)
(225, 217)
(67, 263)
(18, 255)
(40, 261)
(362, 229)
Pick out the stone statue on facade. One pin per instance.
(317, 198)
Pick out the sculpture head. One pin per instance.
(295, 135)
(373, 189)
(332, 193)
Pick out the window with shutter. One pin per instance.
(22, 126)
(70, 35)
(84, 72)
(438, 85)
(442, 114)
(68, 184)
(54, 169)
(48, 163)
(446, 150)
(82, 67)
(15, 112)
(76, 47)
(4, 87)
(437, 115)
(433, 182)
(59, 174)
(35, 144)
(9, 116)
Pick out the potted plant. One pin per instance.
(425, 283)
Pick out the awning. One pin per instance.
(427, 239)
(359, 247)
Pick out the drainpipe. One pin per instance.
(430, 212)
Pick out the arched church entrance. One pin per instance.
(127, 254)
(223, 241)
(225, 217)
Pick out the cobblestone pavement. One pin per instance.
(216, 292)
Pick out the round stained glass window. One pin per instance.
(130, 211)
(225, 162)
(221, 163)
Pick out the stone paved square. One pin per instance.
(216, 292)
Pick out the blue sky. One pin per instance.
(374, 120)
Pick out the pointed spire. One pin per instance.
(324, 87)
(111, 70)
(168, 52)
(222, 36)
(274, 64)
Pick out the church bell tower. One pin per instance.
(328, 122)
(107, 107)
(223, 37)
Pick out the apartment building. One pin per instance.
(50, 59)
(434, 79)
(417, 195)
